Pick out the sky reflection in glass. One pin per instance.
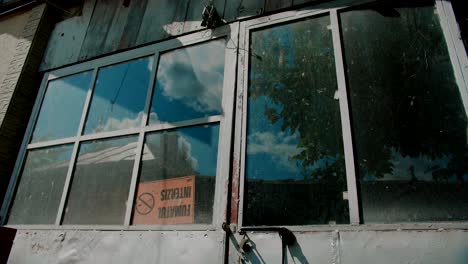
(119, 96)
(189, 83)
(294, 164)
(62, 107)
(180, 152)
(292, 84)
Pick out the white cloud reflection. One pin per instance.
(194, 76)
(149, 66)
(185, 148)
(113, 124)
(279, 146)
(421, 166)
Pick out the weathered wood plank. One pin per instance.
(116, 27)
(132, 27)
(161, 19)
(300, 2)
(125, 25)
(107, 25)
(98, 30)
(272, 5)
(67, 38)
(194, 14)
(243, 8)
(122, 28)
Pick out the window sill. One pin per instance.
(116, 227)
(364, 227)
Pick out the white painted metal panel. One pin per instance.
(116, 247)
(310, 248)
(415, 247)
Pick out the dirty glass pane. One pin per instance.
(41, 185)
(409, 123)
(101, 181)
(177, 177)
(119, 96)
(189, 83)
(62, 107)
(295, 173)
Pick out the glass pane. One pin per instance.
(101, 182)
(295, 173)
(119, 96)
(408, 118)
(41, 185)
(177, 177)
(62, 107)
(189, 83)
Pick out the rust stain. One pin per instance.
(235, 191)
(38, 248)
(240, 97)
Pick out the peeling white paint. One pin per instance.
(116, 247)
(361, 247)
(416, 247)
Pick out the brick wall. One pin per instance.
(19, 88)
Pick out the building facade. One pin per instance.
(154, 131)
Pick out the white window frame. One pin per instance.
(228, 32)
(459, 61)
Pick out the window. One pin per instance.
(294, 156)
(132, 139)
(353, 115)
(409, 124)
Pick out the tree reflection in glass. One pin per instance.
(409, 124)
(294, 164)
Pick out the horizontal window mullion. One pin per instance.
(192, 227)
(124, 132)
(192, 122)
(51, 143)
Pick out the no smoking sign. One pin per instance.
(165, 202)
(145, 203)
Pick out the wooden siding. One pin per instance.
(106, 26)
(160, 23)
